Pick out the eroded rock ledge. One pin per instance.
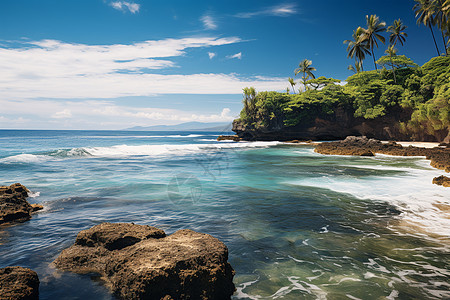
(141, 262)
(362, 146)
(13, 204)
(19, 284)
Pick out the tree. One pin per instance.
(321, 82)
(441, 19)
(424, 10)
(372, 34)
(249, 103)
(356, 68)
(292, 83)
(391, 51)
(305, 68)
(397, 32)
(357, 48)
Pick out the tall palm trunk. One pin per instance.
(434, 39)
(393, 71)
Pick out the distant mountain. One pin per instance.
(189, 126)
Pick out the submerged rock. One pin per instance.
(442, 180)
(18, 283)
(234, 138)
(13, 204)
(141, 262)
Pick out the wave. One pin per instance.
(126, 151)
(423, 205)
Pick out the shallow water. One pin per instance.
(297, 224)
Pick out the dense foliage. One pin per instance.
(424, 92)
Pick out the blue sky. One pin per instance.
(112, 64)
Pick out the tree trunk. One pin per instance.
(393, 71)
(445, 43)
(434, 39)
(373, 56)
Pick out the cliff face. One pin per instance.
(338, 126)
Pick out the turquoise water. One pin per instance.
(298, 225)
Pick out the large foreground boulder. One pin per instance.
(141, 262)
(19, 284)
(13, 204)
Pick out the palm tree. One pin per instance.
(397, 32)
(357, 48)
(292, 83)
(424, 10)
(305, 68)
(391, 51)
(372, 34)
(355, 68)
(441, 18)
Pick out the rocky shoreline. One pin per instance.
(362, 146)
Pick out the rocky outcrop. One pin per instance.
(337, 126)
(439, 156)
(13, 204)
(19, 284)
(141, 262)
(234, 138)
(442, 180)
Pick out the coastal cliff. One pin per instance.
(413, 105)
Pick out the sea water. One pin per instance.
(298, 225)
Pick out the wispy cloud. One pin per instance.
(237, 56)
(126, 6)
(55, 69)
(283, 10)
(209, 22)
(211, 55)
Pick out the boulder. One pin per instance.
(234, 138)
(141, 262)
(442, 180)
(13, 204)
(19, 284)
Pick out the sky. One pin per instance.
(112, 64)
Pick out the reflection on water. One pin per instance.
(297, 224)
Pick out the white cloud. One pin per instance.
(54, 69)
(64, 114)
(208, 22)
(237, 55)
(124, 6)
(283, 10)
(92, 113)
(211, 55)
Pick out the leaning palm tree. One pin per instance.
(292, 83)
(425, 10)
(373, 33)
(397, 32)
(357, 48)
(305, 68)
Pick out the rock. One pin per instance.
(442, 180)
(13, 204)
(141, 262)
(361, 146)
(234, 138)
(18, 283)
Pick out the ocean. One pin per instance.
(298, 225)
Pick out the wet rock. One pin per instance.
(442, 180)
(13, 204)
(141, 262)
(234, 138)
(352, 145)
(18, 283)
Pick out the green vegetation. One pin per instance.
(400, 88)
